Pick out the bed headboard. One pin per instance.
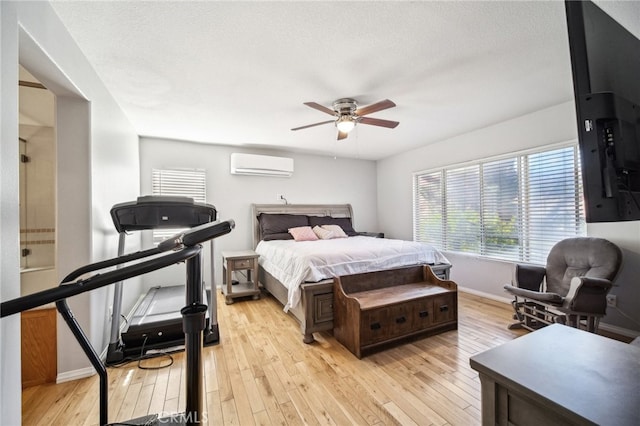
(334, 210)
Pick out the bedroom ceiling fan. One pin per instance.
(347, 115)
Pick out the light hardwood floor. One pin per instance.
(261, 373)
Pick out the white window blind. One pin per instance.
(513, 208)
(177, 182)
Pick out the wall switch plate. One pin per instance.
(612, 300)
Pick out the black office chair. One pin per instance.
(572, 288)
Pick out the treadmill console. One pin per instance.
(153, 212)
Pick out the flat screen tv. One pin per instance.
(605, 62)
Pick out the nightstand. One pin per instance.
(243, 260)
(372, 234)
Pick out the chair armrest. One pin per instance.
(551, 298)
(530, 276)
(588, 295)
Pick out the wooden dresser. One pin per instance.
(559, 375)
(375, 309)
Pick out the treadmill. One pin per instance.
(155, 321)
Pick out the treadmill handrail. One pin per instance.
(112, 262)
(66, 289)
(197, 235)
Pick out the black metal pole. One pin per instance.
(193, 317)
(93, 356)
(193, 324)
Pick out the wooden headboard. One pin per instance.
(334, 210)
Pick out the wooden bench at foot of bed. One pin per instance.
(374, 309)
(314, 313)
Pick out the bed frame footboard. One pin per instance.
(315, 310)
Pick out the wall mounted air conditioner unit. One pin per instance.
(261, 165)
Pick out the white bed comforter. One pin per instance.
(295, 262)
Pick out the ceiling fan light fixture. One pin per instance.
(346, 114)
(345, 123)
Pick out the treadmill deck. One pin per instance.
(157, 321)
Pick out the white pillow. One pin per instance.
(323, 234)
(338, 232)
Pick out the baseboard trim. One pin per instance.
(625, 332)
(75, 375)
(485, 295)
(618, 330)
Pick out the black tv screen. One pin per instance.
(605, 62)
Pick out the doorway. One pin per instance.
(37, 157)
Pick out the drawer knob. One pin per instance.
(375, 326)
(423, 314)
(444, 308)
(400, 320)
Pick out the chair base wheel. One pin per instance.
(515, 326)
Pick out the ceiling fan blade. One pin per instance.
(342, 135)
(378, 106)
(379, 122)
(320, 108)
(312, 125)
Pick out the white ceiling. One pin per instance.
(237, 73)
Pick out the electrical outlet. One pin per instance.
(612, 300)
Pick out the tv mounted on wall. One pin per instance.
(605, 61)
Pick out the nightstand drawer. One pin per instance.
(243, 263)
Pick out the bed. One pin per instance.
(299, 274)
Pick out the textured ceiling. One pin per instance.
(237, 73)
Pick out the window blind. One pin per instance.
(177, 182)
(513, 208)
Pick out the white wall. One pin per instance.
(316, 180)
(552, 125)
(97, 164)
(10, 399)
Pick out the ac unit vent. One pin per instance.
(261, 165)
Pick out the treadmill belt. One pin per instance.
(160, 304)
(157, 322)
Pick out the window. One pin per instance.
(512, 208)
(177, 182)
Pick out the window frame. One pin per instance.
(524, 252)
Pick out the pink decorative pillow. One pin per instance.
(337, 231)
(323, 234)
(303, 233)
